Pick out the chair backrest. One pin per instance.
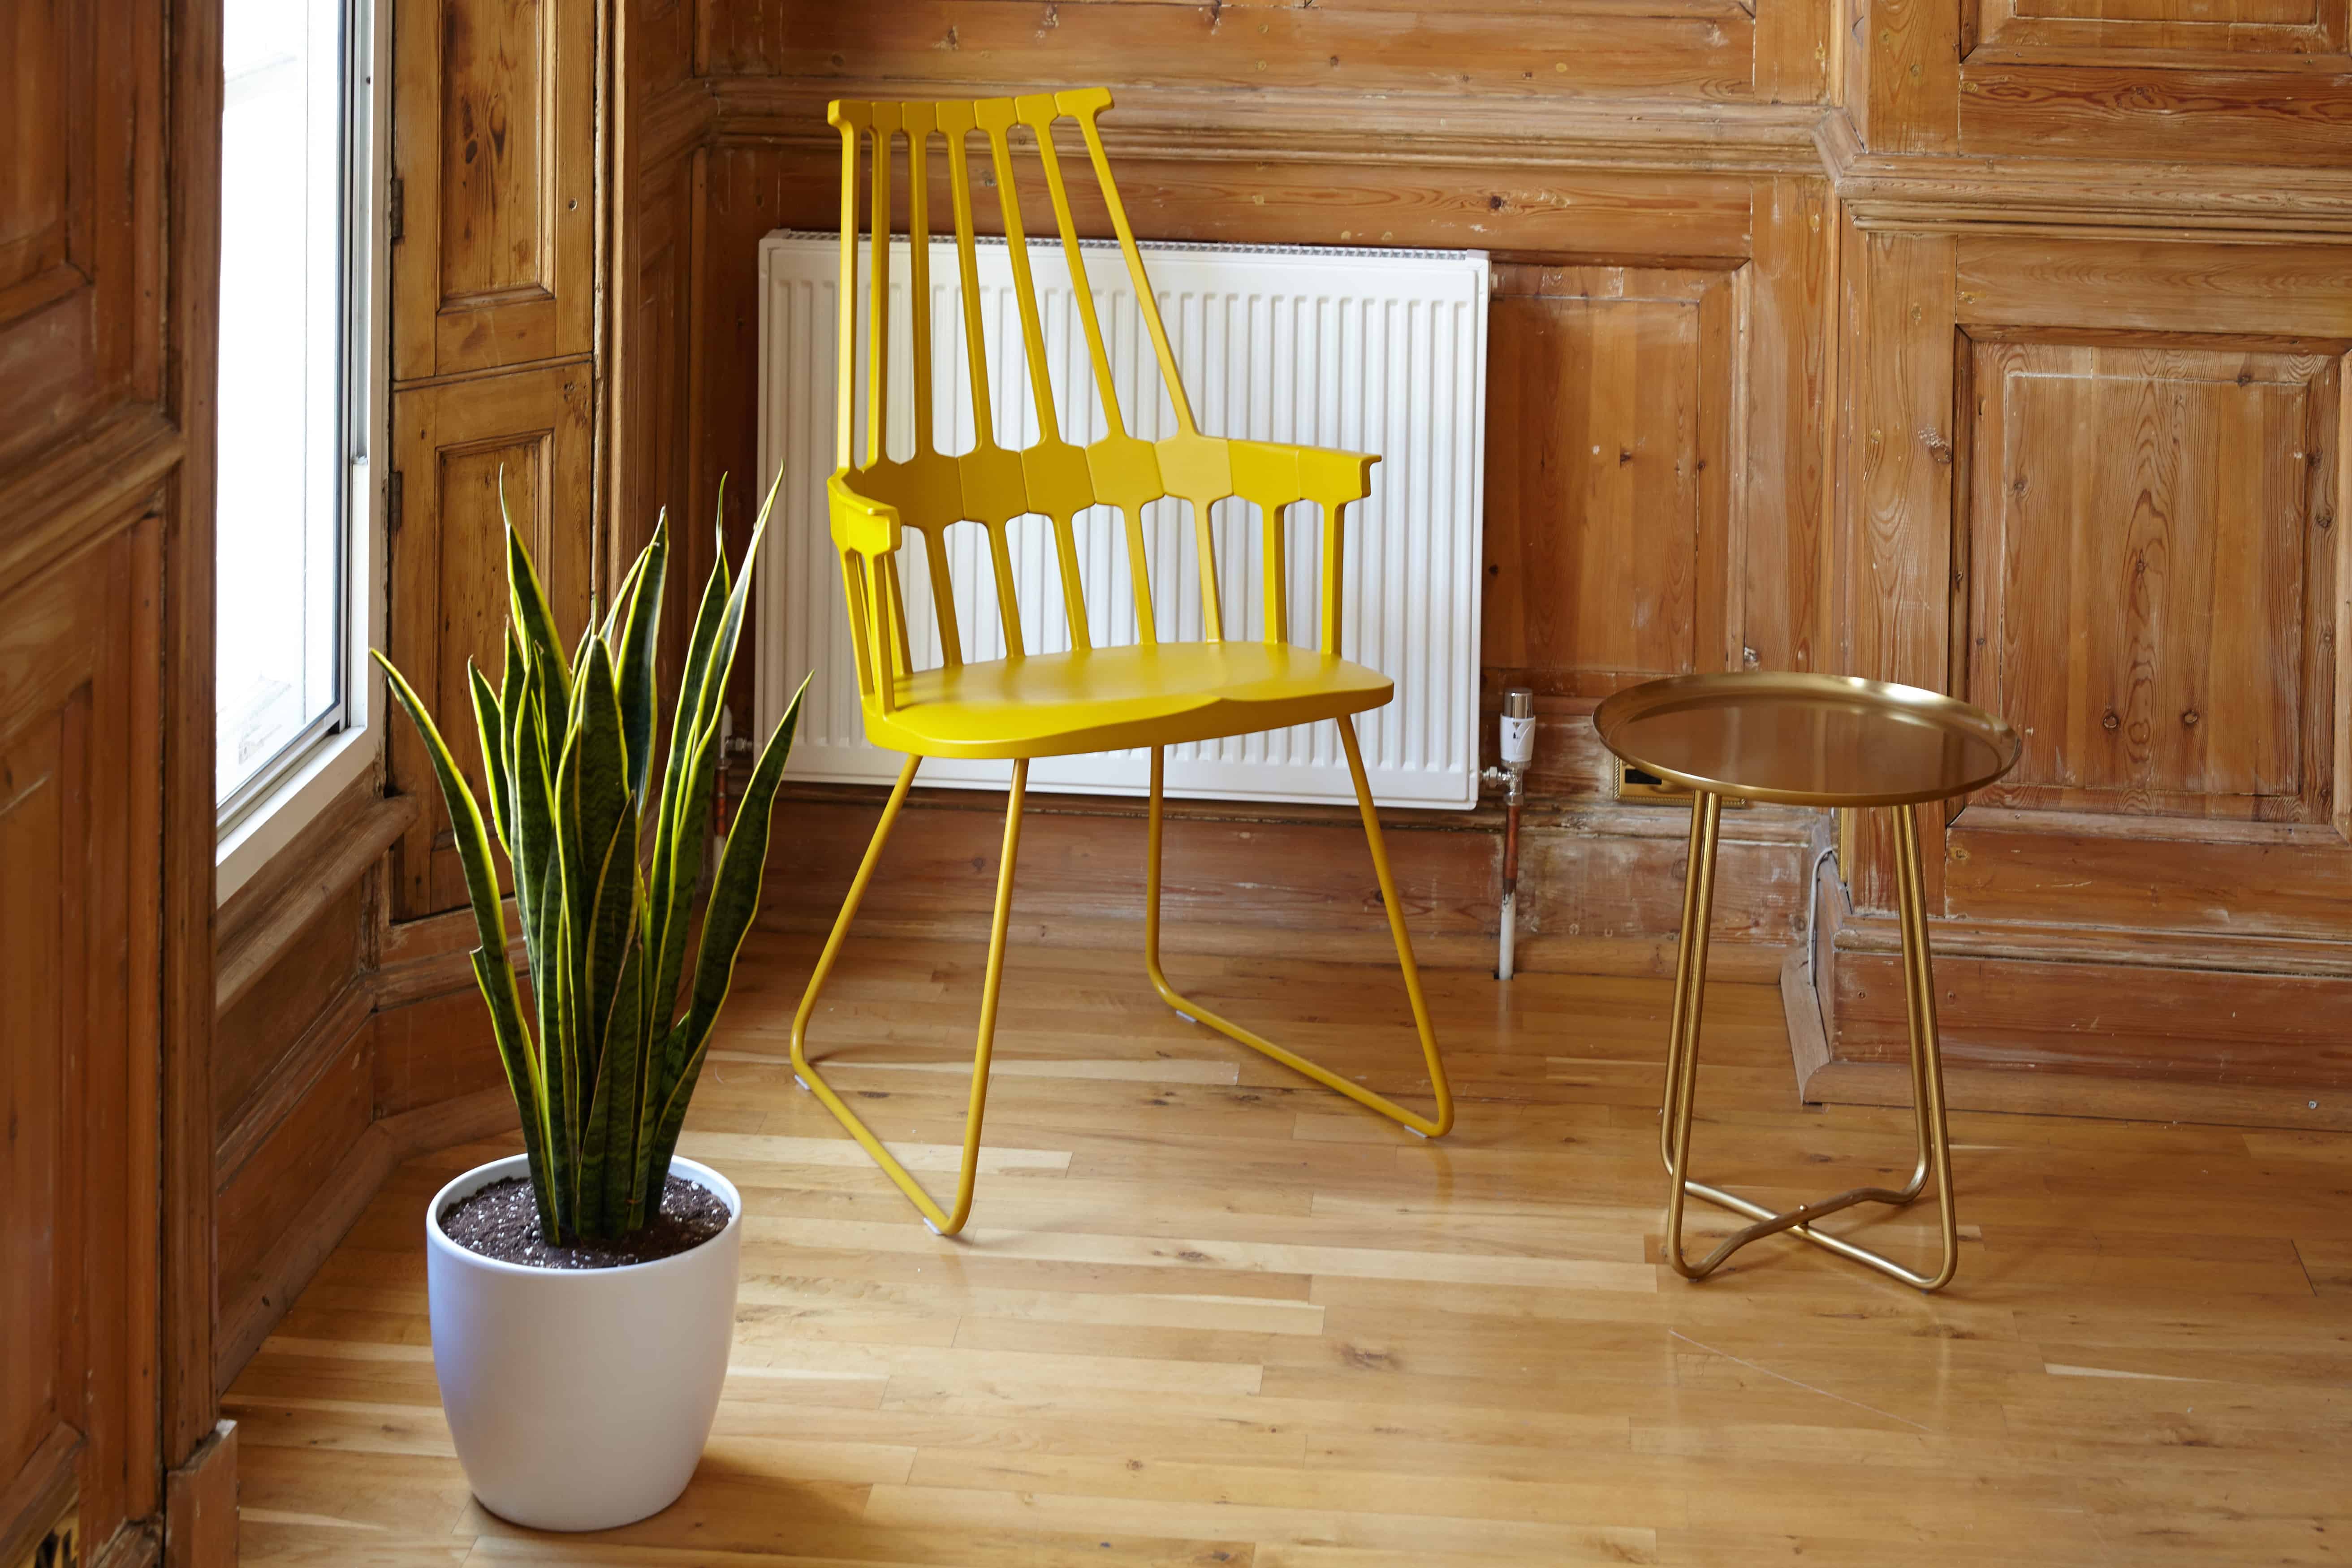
(990, 484)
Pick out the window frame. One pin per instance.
(344, 746)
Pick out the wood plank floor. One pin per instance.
(1208, 1314)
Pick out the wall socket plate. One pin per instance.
(1637, 788)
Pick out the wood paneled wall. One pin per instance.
(1992, 345)
(108, 207)
(1988, 346)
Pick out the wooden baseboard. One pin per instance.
(2034, 1093)
(300, 1247)
(199, 1505)
(1599, 886)
(465, 1119)
(1827, 1074)
(295, 1075)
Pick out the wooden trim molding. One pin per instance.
(342, 1196)
(1919, 193)
(1180, 123)
(1948, 194)
(97, 475)
(319, 873)
(199, 1505)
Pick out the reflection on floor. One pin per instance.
(1208, 1314)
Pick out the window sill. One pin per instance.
(339, 761)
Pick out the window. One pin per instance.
(293, 399)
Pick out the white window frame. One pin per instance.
(263, 819)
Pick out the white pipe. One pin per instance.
(1519, 749)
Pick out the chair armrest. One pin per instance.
(1333, 477)
(867, 532)
(861, 525)
(1334, 480)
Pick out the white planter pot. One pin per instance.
(580, 1399)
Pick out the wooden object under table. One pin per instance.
(1822, 740)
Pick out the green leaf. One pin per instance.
(618, 613)
(473, 840)
(527, 606)
(639, 608)
(559, 1033)
(526, 1072)
(513, 678)
(491, 727)
(678, 830)
(608, 1173)
(495, 977)
(531, 852)
(597, 806)
(734, 901)
(721, 662)
(534, 776)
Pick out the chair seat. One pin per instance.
(1109, 699)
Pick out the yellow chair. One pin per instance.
(1153, 694)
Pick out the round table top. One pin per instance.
(1799, 739)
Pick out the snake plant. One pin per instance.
(567, 745)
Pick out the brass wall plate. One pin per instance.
(61, 1547)
(1637, 787)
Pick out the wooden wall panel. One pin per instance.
(261, 1198)
(2144, 286)
(2153, 605)
(79, 1037)
(314, 968)
(2092, 479)
(1607, 404)
(2165, 32)
(2255, 879)
(651, 397)
(82, 90)
(1700, 49)
(1786, 323)
(448, 598)
(494, 144)
(2028, 1015)
(44, 966)
(2299, 116)
(433, 1051)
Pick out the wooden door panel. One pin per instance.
(1606, 504)
(493, 143)
(2153, 590)
(39, 1057)
(72, 340)
(78, 1033)
(448, 602)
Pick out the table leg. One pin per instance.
(1926, 1048)
(1926, 1077)
(1690, 998)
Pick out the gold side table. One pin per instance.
(1805, 740)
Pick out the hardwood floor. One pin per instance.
(1208, 1314)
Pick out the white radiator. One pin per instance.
(1372, 350)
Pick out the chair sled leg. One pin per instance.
(947, 1221)
(1426, 1126)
